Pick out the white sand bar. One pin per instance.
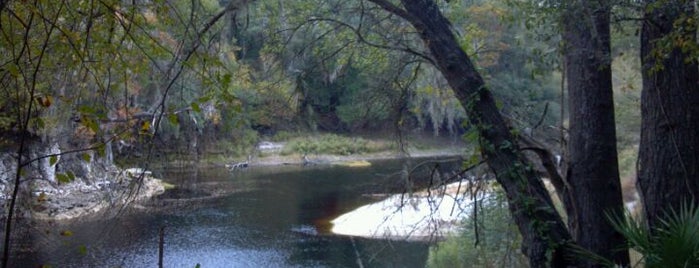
(400, 217)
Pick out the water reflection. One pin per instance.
(272, 217)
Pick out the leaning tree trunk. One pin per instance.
(668, 174)
(545, 238)
(593, 173)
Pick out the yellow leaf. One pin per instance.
(145, 126)
(42, 197)
(45, 101)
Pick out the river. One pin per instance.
(259, 217)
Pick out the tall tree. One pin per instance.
(546, 240)
(593, 172)
(668, 174)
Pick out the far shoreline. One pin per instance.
(302, 149)
(276, 159)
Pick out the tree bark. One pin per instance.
(668, 173)
(593, 173)
(545, 238)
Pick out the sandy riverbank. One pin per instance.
(420, 216)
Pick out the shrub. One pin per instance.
(285, 136)
(498, 240)
(333, 144)
(674, 243)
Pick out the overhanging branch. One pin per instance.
(362, 39)
(393, 9)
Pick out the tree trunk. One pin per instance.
(545, 238)
(668, 174)
(593, 173)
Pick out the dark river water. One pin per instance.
(259, 217)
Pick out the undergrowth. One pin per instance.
(334, 144)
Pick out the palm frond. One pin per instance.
(674, 242)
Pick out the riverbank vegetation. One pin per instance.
(489, 239)
(336, 145)
(110, 84)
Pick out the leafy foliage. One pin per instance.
(333, 144)
(490, 240)
(674, 243)
(97, 64)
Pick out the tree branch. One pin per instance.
(363, 40)
(393, 9)
(546, 158)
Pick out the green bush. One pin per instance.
(498, 240)
(242, 144)
(285, 136)
(333, 144)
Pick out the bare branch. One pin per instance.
(362, 39)
(543, 116)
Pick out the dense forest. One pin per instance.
(600, 98)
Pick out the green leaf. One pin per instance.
(204, 99)
(62, 178)
(82, 249)
(499, 104)
(93, 126)
(40, 123)
(13, 69)
(226, 80)
(70, 175)
(66, 233)
(86, 109)
(86, 157)
(52, 160)
(173, 119)
(473, 160)
(90, 124)
(102, 150)
(238, 108)
(471, 136)
(195, 107)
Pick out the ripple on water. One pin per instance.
(206, 257)
(305, 230)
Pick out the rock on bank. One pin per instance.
(79, 199)
(71, 186)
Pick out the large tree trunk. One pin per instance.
(668, 172)
(593, 173)
(545, 236)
